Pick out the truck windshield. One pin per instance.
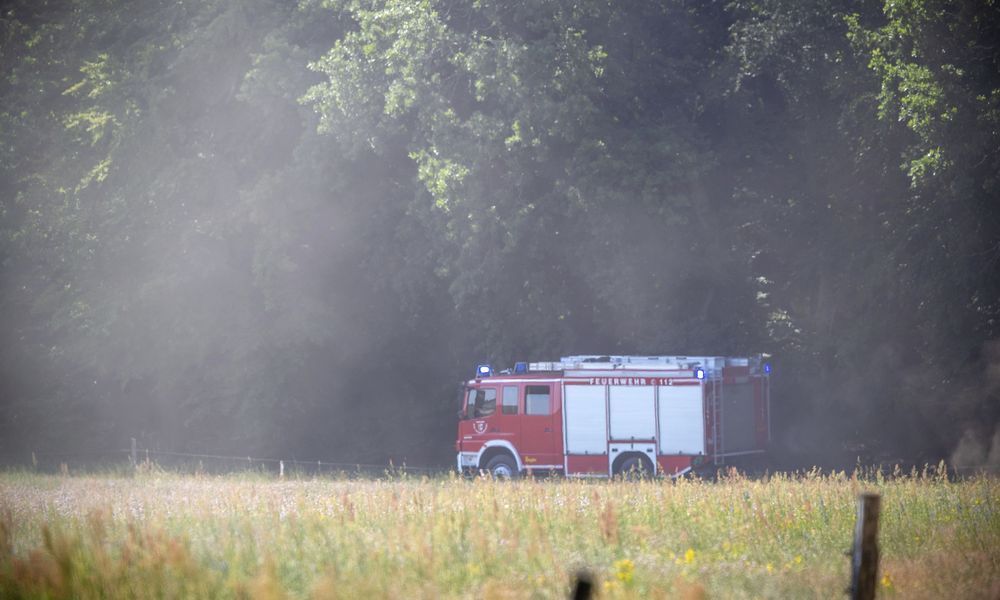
(482, 403)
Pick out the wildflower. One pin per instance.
(624, 569)
(689, 556)
(769, 567)
(798, 559)
(886, 581)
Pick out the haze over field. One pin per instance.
(279, 229)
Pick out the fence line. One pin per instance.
(319, 464)
(135, 455)
(79, 454)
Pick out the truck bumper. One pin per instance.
(467, 461)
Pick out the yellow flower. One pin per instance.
(769, 567)
(689, 556)
(798, 559)
(624, 569)
(887, 581)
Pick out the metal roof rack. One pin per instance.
(643, 362)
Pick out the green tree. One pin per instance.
(561, 162)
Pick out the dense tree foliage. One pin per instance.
(260, 227)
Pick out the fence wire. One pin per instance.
(208, 463)
(291, 464)
(97, 460)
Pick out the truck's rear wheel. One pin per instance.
(634, 466)
(502, 467)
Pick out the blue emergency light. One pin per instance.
(699, 373)
(484, 371)
(767, 367)
(520, 367)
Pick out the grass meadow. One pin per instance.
(160, 534)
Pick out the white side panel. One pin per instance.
(633, 412)
(586, 420)
(682, 424)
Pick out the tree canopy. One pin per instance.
(258, 226)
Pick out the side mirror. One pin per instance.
(462, 412)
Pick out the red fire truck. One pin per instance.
(600, 416)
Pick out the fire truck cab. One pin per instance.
(601, 416)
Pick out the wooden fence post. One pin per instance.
(583, 586)
(134, 457)
(864, 555)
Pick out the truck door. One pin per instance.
(541, 433)
(488, 418)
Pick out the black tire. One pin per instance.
(634, 466)
(502, 466)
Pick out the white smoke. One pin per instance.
(974, 451)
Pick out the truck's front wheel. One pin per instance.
(502, 467)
